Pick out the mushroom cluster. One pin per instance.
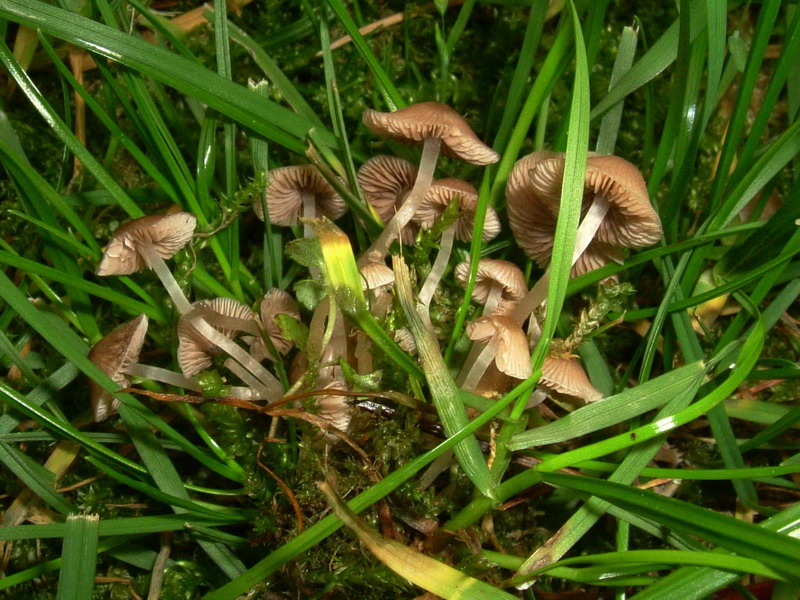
(249, 343)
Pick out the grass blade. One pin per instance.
(79, 557)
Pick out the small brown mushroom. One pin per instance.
(496, 281)
(209, 329)
(506, 343)
(299, 191)
(113, 355)
(386, 182)
(145, 243)
(274, 303)
(444, 192)
(434, 124)
(564, 377)
(616, 213)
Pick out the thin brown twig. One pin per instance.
(289, 494)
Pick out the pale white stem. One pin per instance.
(439, 266)
(237, 353)
(586, 232)
(177, 380)
(258, 388)
(309, 212)
(478, 368)
(317, 330)
(163, 375)
(153, 260)
(493, 299)
(427, 165)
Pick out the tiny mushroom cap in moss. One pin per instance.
(386, 182)
(376, 276)
(333, 408)
(424, 120)
(166, 234)
(442, 193)
(275, 302)
(500, 278)
(194, 349)
(564, 376)
(113, 355)
(534, 194)
(513, 354)
(295, 191)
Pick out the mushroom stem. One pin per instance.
(235, 351)
(427, 165)
(257, 388)
(176, 379)
(479, 366)
(493, 298)
(154, 261)
(586, 232)
(163, 375)
(309, 212)
(439, 266)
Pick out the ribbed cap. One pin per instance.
(285, 195)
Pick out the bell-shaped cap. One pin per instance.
(275, 302)
(333, 408)
(564, 376)
(425, 120)
(405, 340)
(288, 185)
(113, 355)
(386, 181)
(493, 272)
(444, 192)
(376, 276)
(194, 350)
(167, 234)
(513, 355)
(533, 191)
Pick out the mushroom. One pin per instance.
(198, 341)
(275, 302)
(616, 213)
(564, 377)
(506, 343)
(148, 242)
(496, 282)
(441, 195)
(333, 408)
(434, 124)
(299, 190)
(386, 182)
(113, 355)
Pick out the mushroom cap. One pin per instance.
(166, 233)
(494, 272)
(113, 355)
(405, 340)
(194, 350)
(333, 408)
(513, 354)
(376, 275)
(424, 120)
(285, 195)
(444, 192)
(533, 191)
(275, 302)
(386, 181)
(564, 375)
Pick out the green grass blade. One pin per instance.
(775, 550)
(271, 120)
(34, 476)
(79, 558)
(615, 409)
